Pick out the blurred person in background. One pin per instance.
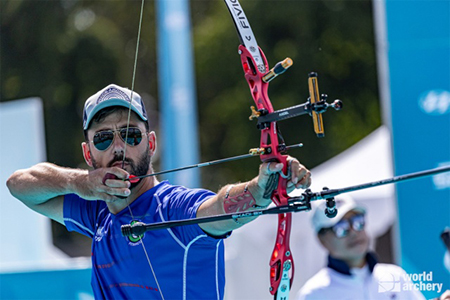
(352, 271)
(185, 262)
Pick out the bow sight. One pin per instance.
(314, 106)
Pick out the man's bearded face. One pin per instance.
(138, 168)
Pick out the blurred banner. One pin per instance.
(54, 284)
(23, 242)
(30, 266)
(414, 37)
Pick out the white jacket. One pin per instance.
(385, 281)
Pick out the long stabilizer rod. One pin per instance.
(334, 192)
(300, 203)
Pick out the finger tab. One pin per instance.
(108, 176)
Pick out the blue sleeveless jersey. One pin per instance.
(188, 263)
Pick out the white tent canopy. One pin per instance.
(249, 248)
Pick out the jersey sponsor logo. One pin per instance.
(102, 230)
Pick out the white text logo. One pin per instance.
(408, 282)
(435, 102)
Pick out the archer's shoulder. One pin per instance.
(167, 190)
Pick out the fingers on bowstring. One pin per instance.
(115, 177)
(114, 186)
(117, 183)
(119, 173)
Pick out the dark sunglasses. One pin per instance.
(104, 139)
(342, 228)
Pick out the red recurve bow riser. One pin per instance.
(269, 139)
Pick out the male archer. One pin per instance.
(184, 262)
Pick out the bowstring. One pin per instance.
(126, 138)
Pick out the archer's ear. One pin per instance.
(152, 142)
(87, 153)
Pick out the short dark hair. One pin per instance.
(102, 114)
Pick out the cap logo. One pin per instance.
(112, 92)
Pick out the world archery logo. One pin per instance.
(135, 238)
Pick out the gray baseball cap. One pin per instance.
(112, 95)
